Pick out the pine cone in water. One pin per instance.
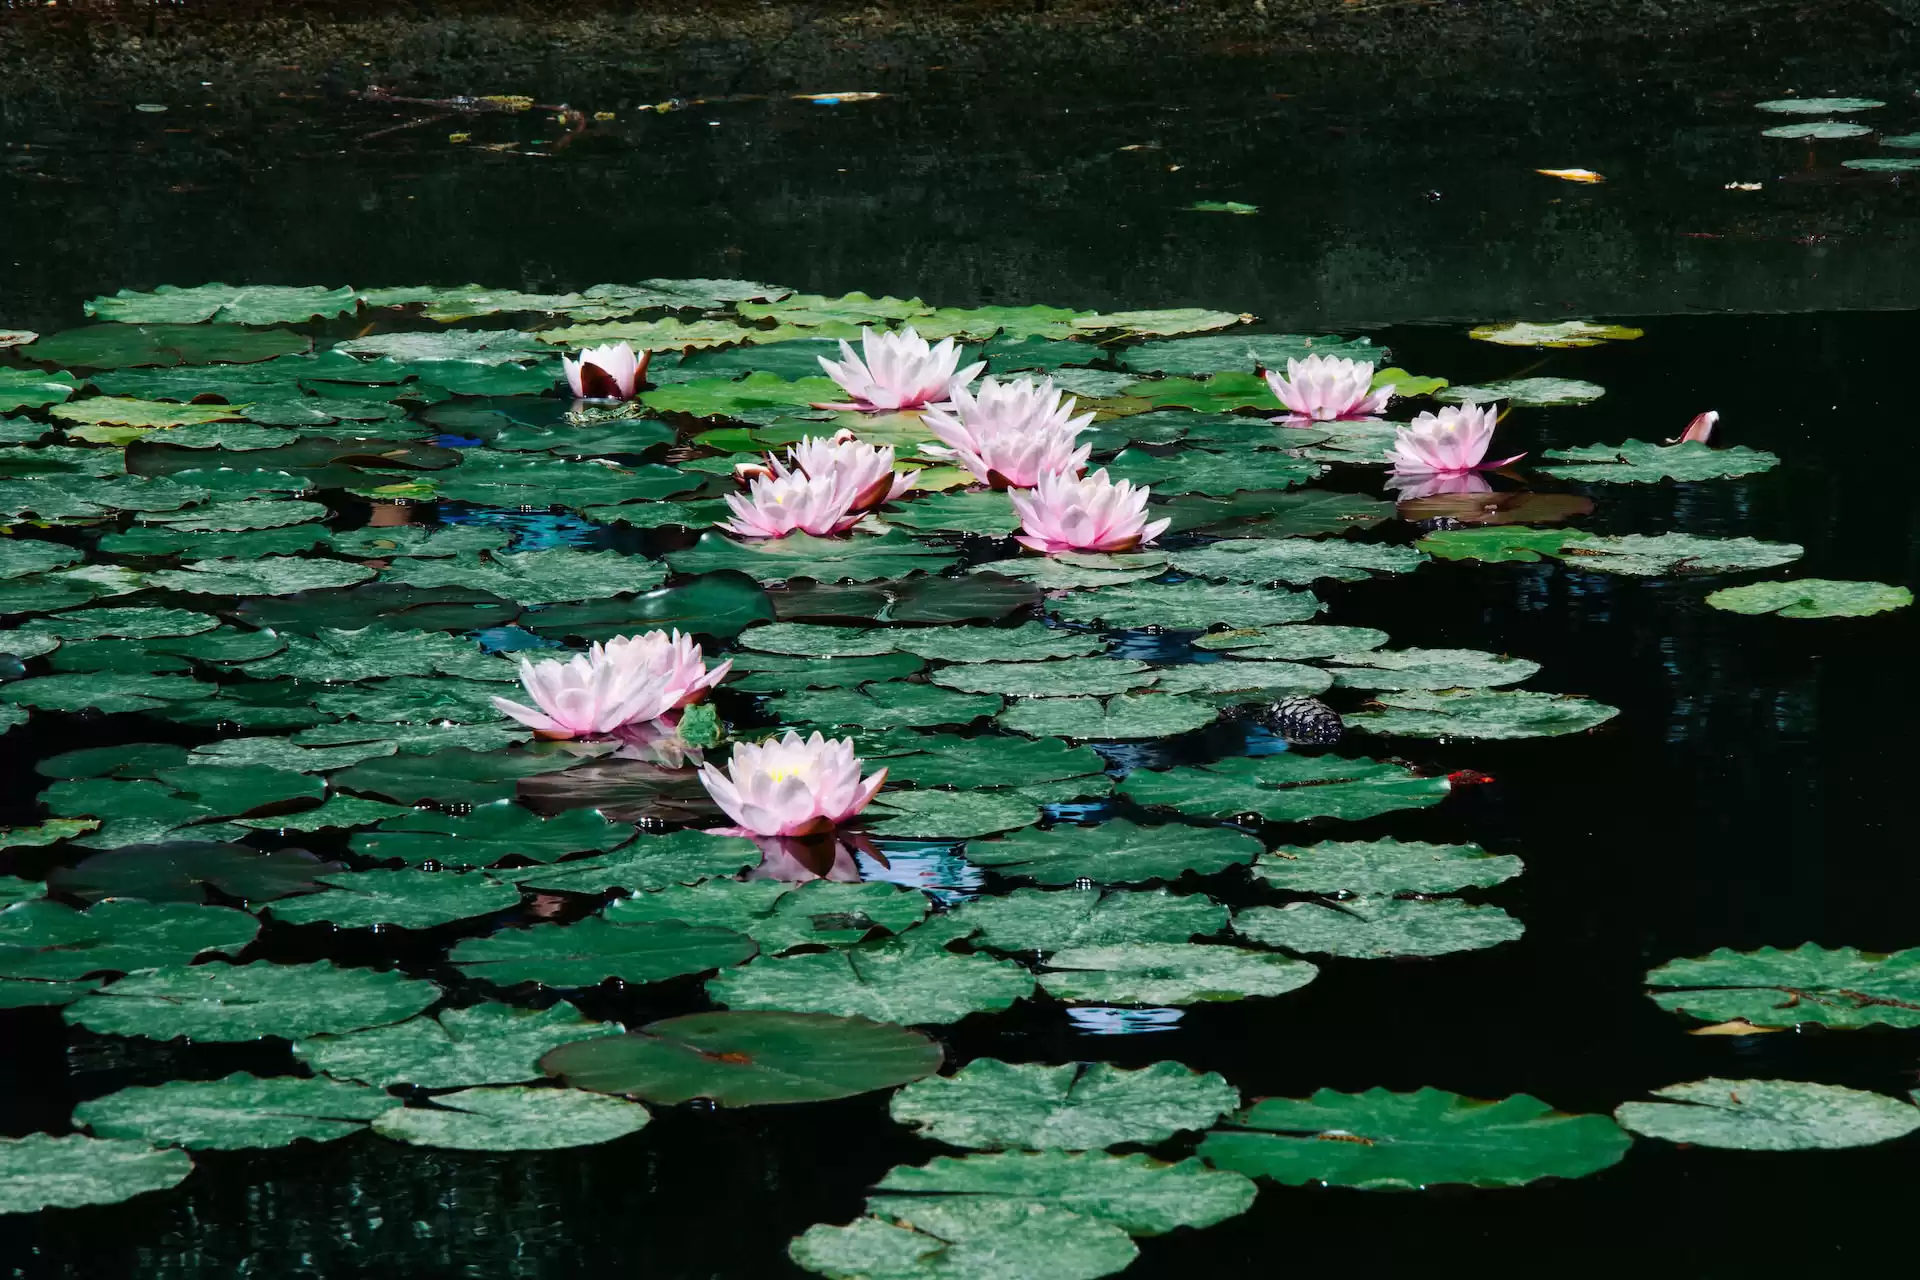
(1305, 720)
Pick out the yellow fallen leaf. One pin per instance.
(1572, 175)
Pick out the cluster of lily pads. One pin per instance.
(309, 534)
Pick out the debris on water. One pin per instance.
(1742, 186)
(1572, 175)
(151, 108)
(835, 99)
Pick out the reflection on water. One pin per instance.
(937, 868)
(530, 530)
(511, 640)
(1102, 1021)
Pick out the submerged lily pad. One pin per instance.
(1378, 927)
(1385, 1141)
(1384, 867)
(1812, 598)
(1482, 713)
(1115, 852)
(239, 1111)
(747, 1059)
(1169, 973)
(218, 1002)
(992, 1105)
(888, 982)
(41, 1171)
(1769, 1115)
(1839, 987)
(1287, 788)
(513, 1118)
(1637, 462)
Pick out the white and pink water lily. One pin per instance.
(789, 501)
(1011, 433)
(628, 680)
(611, 372)
(1453, 440)
(792, 786)
(1065, 512)
(1328, 389)
(896, 371)
(861, 469)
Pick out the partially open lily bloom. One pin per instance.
(1012, 433)
(1700, 429)
(792, 786)
(896, 371)
(1455, 439)
(863, 470)
(775, 507)
(1065, 512)
(612, 372)
(1327, 389)
(628, 680)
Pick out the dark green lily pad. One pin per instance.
(776, 673)
(1060, 677)
(966, 1238)
(104, 691)
(1243, 353)
(1812, 598)
(237, 1112)
(40, 1171)
(1115, 852)
(948, 815)
(780, 915)
(460, 776)
(588, 952)
(961, 511)
(249, 304)
(1140, 1195)
(183, 871)
(1430, 669)
(653, 862)
(1769, 1115)
(1526, 393)
(854, 558)
(1840, 987)
(1042, 920)
(120, 346)
(992, 1105)
(1386, 866)
(1145, 715)
(1197, 471)
(1637, 462)
(715, 606)
(1482, 713)
(486, 1043)
(887, 982)
(1384, 1141)
(1169, 973)
(1187, 605)
(222, 1003)
(42, 939)
(558, 574)
(1295, 560)
(1287, 788)
(1300, 513)
(1292, 643)
(945, 760)
(403, 899)
(1378, 927)
(513, 1118)
(893, 704)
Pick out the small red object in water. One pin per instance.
(1469, 778)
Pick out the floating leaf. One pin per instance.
(267, 576)
(1187, 605)
(1140, 1195)
(1817, 129)
(40, 1171)
(1115, 852)
(1818, 106)
(1037, 920)
(251, 304)
(1302, 513)
(1166, 321)
(1482, 714)
(1769, 1115)
(486, 1043)
(1384, 867)
(1026, 642)
(887, 982)
(892, 704)
(717, 605)
(1840, 987)
(660, 335)
(964, 511)
(961, 1238)
(779, 915)
(811, 310)
(31, 389)
(45, 940)
(1222, 206)
(855, 558)
(1430, 669)
(1169, 973)
(1198, 471)
(1057, 678)
(1147, 715)
(800, 638)
(1384, 1141)
(1565, 333)
(1637, 462)
(1813, 598)
(726, 398)
(1287, 788)
(403, 899)
(222, 1003)
(183, 871)
(1499, 545)
(992, 1105)
(948, 815)
(1220, 393)
(120, 346)
(1527, 393)
(588, 952)
(237, 1112)
(1294, 560)
(456, 776)
(552, 576)
(513, 1118)
(776, 673)
(680, 857)
(1292, 643)
(1374, 928)
(748, 1059)
(1230, 681)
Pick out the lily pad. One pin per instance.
(125, 412)
(892, 704)
(224, 1003)
(402, 899)
(1301, 513)
(1564, 333)
(486, 1043)
(1482, 714)
(121, 346)
(887, 982)
(992, 1105)
(47, 940)
(855, 558)
(552, 576)
(1637, 462)
(237, 1112)
(513, 1118)
(1039, 920)
(1146, 715)
(726, 398)
(184, 870)
(1530, 393)
(654, 862)
(811, 310)
(1839, 987)
(1115, 852)
(1384, 1141)
(1140, 1195)
(1817, 129)
(267, 576)
(966, 1238)
(1198, 471)
(1169, 973)
(748, 1059)
(1288, 788)
(1220, 393)
(1769, 1115)
(1060, 677)
(1818, 106)
(1371, 867)
(1243, 352)
(965, 511)
(948, 815)
(1292, 643)
(1232, 681)
(41, 1171)
(457, 776)
(1027, 642)
(1812, 598)
(1430, 669)
(590, 951)
(250, 304)
(31, 389)
(779, 915)
(1294, 560)
(1377, 927)
(1165, 321)
(1883, 164)
(717, 606)
(1187, 605)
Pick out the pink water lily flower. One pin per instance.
(1455, 439)
(1700, 429)
(789, 500)
(792, 786)
(1327, 389)
(898, 371)
(612, 372)
(1012, 433)
(1065, 512)
(862, 469)
(627, 680)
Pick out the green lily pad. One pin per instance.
(1372, 867)
(1564, 333)
(104, 691)
(1769, 1115)
(238, 1112)
(486, 1043)
(780, 915)
(948, 815)
(892, 704)
(1158, 323)
(1030, 641)
(1013, 323)
(45, 940)
(224, 1003)
(40, 1171)
(748, 1059)
(1059, 677)
(22, 556)
(1374, 928)
(1500, 544)
(120, 346)
(268, 576)
(1231, 681)
(726, 398)
(661, 335)
(183, 870)
(1058, 572)
(250, 304)
(588, 952)
(553, 576)
(1219, 393)
(502, 479)
(1295, 560)
(1384, 1141)
(1260, 513)
(1187, 605)
(1637, 462)
(1818, 106)
(1039, 920)
(1243, 352)
(31, 389)
(459, 776)
(960, 511)
(653, 862)
(887, 982)
(1839, 987)
(945, 760)
(1812, 598)
(52, 831)
(717, 606)
(777, 673)
(132, 624)
(1140, 1195)
(966, 1238)
(1115, 852)
(1482, 714)
(992, 1105)
(1169, 973)
(804, 639)
(1529, 393)
(1287, 788)
(1817, 129)
(403, 899)
(1197, 471)
(476, 346)
(1884, 164)
(1125, 716)
(513, 1118)
(1430, 669)
(1292, 643)
(855, 558)
(125, 412)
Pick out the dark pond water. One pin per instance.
(1754, 790)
